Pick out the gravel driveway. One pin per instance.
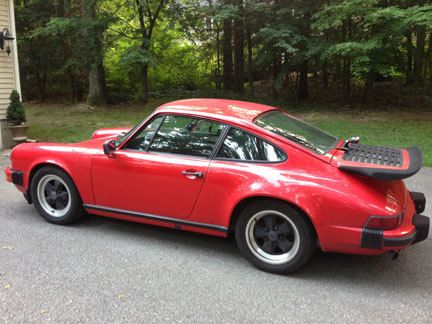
(103, 270)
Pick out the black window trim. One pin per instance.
(220, 141)
(216, 147)
(214, 157)
(156, 131)
(164, 115)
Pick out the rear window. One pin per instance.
(297, 131)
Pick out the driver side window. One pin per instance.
(178, 135)
(141, 141)
(186, 135)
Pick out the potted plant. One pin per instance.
(16, 117)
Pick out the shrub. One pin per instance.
(15, 114)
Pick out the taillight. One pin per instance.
(384, 222)
(8, 173)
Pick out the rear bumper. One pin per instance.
(402, 237)
(376, 239)
(14, 176)
(419, 200)
(421, 232)
(422, 225)
(400, 241)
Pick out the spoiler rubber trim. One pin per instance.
(415, 164)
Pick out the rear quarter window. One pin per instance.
(242, 146)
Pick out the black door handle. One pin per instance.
(193, 174)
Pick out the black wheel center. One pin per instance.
(273, 236)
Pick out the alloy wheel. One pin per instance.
(272, 237)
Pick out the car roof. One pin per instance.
(223, 109)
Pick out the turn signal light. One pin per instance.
(384, 222)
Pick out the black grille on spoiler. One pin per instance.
(374, 154)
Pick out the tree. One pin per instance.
(228, 77)
(15, 113)
(148, 14)
(239, 48)
(171, 45)
(97, 89)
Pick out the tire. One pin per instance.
(274, 237)
(55, 196)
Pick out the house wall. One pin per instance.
(9, 75)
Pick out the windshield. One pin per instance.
(300, 132)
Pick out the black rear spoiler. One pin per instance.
(382, 163)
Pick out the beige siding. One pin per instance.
(7, 81)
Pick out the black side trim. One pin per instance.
(371, 238)
(415, 164)
(17, 178)
(419, 200)
(400, 241)
(157, 218)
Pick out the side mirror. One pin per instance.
(109, 147)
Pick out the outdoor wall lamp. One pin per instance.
(5, 39)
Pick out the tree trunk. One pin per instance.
(218, 69)
(346, 61)
(325, 77)
(40, 87)
(337, 76)
(227, 53)
(40, 82)
(369, 85)
(144, 47)
(97, 91)
(146, 34)
(419, 55)
(428, 62)
(275, 73)
(409, 58)
(347, 78)
(144, 82)
(239, 50)
(74, 92)
(250, 60)
(303, 81)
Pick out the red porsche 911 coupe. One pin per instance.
(282, 186)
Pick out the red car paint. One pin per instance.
(337, 203)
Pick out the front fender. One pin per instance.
(75, 161)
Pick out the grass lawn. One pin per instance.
(399, 128)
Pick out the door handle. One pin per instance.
(196, 174)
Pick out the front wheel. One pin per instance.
(274, 237)
(55, 196)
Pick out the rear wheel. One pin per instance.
(55, 196)
(274, 237)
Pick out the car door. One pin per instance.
(160, 170)
(243, 165)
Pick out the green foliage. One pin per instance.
(135, 56)
(353, 39)
(15, 114)
(371, 33)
